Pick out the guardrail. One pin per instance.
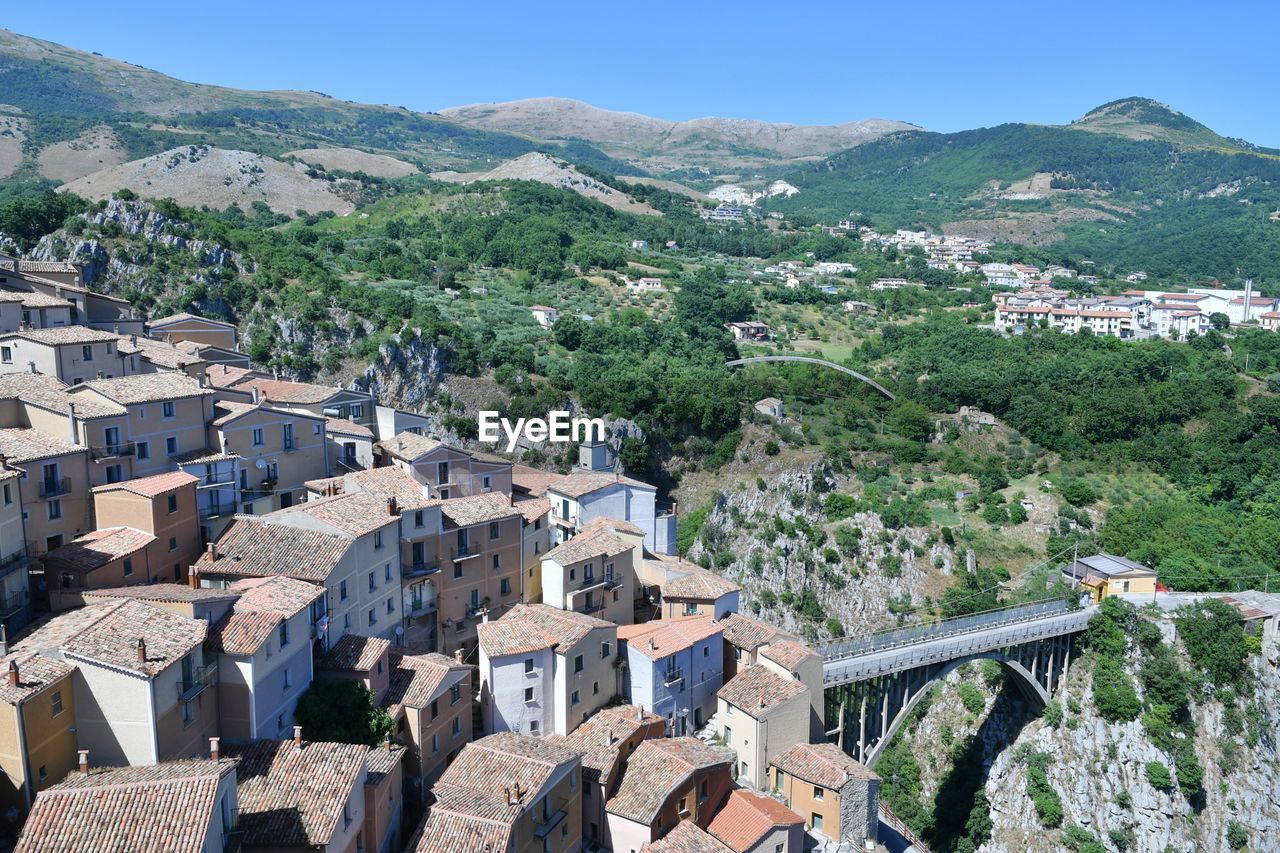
(898, 637)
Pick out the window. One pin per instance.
(44, 772)
(528, 695)
(342, 591)
(317, 428)
(173, 543)
(817, 793)
(455, 694)
(435, 708)
(377, 539)
(495, 530)
(86, 352)
(55, 509)
(288, 678)
(257, 437)
(167, 409)
(173, 504)
(573, 699)
(171, 445)
(506, 586)
(497, 562)
(728, 735)
(284, 634)
(683, 807)
(115, 473)
(488, 483)
(187, 716)
(606, 649)
(391, 608)
(691, 608)
(702, 791)
(346, 815)
(457, 725)
(8, 494)
(286, 435)
(578, 664)
(142, 410)
(778, 779)
(816, 822)
(706, 651)
(357, 411)
(534, 728)
(128, 566)
(435, 744)
(528, 666)
(6, 355)
(143, 450)
(442, 473)
(595, 688)
(56, 700)
(457, 570)
(372, 583)
(373, 616)
(418, 519)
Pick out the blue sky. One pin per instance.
(944, 66)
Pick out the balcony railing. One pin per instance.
(421, 568)
(564, 521)
(126, 448)
(51, 488)
(671, 677)
(474, 610)
(465, 552)
(589, 581)
(189, 687)
(13, 603)
(210, 512)
(592, 607)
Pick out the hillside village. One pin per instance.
(189, 545)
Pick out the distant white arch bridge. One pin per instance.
(820, 362)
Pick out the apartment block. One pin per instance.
(430, 699)
(760, 714)
(674, 669)
(582, 496)
(665, 782)
(365, 660)
(754, 823)
(54, 489)
(595, 571)
(163, 505)
(191, 327)
(37, 726)
(837, 797)
(278, 452)
(15, 559)
(449, 471)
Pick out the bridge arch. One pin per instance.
(738, 362)
(1027, 685)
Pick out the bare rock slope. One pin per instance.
(544, 169)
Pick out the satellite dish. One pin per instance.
(260, 464)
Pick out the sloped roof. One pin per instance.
(747, 817)
(183, 317)
(757, 690)
(108, 633)
(749, 633)
(167, 806)
(409, 445)
(36, 673)
(388, 482)
(419, 678)
(24, 444)
(355, 653)
(475, 509)
(147, 387)
(243, 632)
(150, 487)
(527, 627)
(596, 540)
(699, 584)
(277, 594)
(668, 635)
(166, 592)
(97, 548)
(822, 764)
(601, 736)
(788, 654)
(580, 483)
(657, 769)
(686, 837)
(352, 513)
(251, 546)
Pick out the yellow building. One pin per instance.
(1102, 575)
(37, 727)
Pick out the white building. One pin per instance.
(583, 496)
(674, 669)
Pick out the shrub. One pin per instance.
(1081, 840)
(835, 627)
(1053, 714)
(1237, 835)
(771, 448)
(1215, 640)
(972, 698)
(1158, 776)
(1047, 803)
(1113, 692)
(342, 712)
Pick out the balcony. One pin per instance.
(543, 829)
(111, 451)
(52, 488)
(564, 521)
(475, 610)
(421, 607)
(465, 552)
(421, 568)
(589, 582)
(672, 677)
(13, 603)
(591, 607)
(208, 513)
(189, 687)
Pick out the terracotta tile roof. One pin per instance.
(388, 482)
(95, 549)
(1185, 297)
(409, 445)
(148, 388)
(527, 627)
(657, 769)
(36, 673)
(243, 632)
(446, 831)
(165, 592)
(476, 509)
(342, 426)
(1270, 315)
(21, 266)
(601, 737)
(108, 633)
(161, 807)
(748, 633)
(254, 547)
(757, 690)
(49, 392)
(294, 797)
(533, 508)
(580, 483)
(158, 352)
(354, 652)
(475, 785)
(29, 445)
(823, 764)
(195, 457)
(350, 514)
(277, 594)
(382, 761)
(65, 335)
(789, 654)
(747, 817)
(226, 411)
(322, 485)
(532, 480)
(36, 299)
(150, 487)
(596, 540)
(699, 584)
(687, 837)
(668, 636)
(183, 317)
(226, 375)
(417, 679)
(285, 391)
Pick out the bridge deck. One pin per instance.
(949, 640)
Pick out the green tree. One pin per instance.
(911, 420)
(1215, 640)
(341, 712)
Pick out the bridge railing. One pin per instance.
(897, 637)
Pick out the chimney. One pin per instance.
(13, 673)
(193, 578)
(142, 650)
(101, 375)
(386, 739)
(639, 714)
(609, 738)
(214, 752)
(168, 338)
(84, 761)
(847, 775)
(297, 737)
(4, 640)
(133, 340)
(652, 644)
(115, 328)
(256, 395)
(71, 421)
(212, 550)
(506, 791)
(516, 793)
(392, 508)
(31, 366)
(457, 655)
